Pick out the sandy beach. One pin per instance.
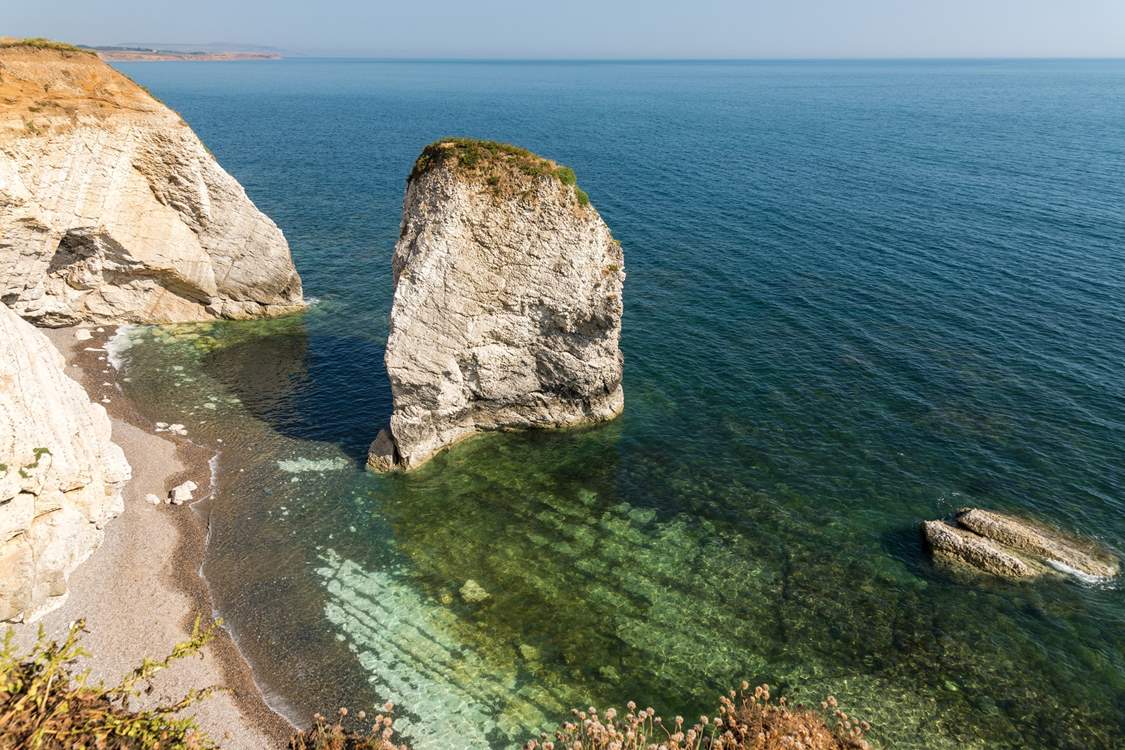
(141, 591)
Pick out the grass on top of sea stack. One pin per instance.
(495, 163)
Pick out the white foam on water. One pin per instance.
(119, 343)
(1084, 577)
(304, 465)
(213, 467)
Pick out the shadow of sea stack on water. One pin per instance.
(860, 295)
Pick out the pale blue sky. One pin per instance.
(596, 28)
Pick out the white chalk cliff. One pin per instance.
(60, 474)
(507, 303)
(112, 210)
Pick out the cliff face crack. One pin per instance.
(507, 303)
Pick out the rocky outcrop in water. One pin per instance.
(60, 475)
(1015, 548)
(112, 210)
(507, 303)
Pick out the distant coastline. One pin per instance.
(142, 54)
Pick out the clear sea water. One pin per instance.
(859, 295)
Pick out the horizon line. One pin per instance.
(284, 55)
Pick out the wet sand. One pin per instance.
(141, 591)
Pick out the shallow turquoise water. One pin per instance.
(859, 295)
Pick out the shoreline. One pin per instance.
(142, 589)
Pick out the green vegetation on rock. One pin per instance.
(38, 42)
(496, 163)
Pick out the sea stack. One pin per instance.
(60, 475)
(112, 210)
(507, 303)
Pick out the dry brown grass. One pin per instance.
(51, 85)
(333, 736)
(745, 721)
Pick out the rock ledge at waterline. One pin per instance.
(507, 303)
(1015, 548)
(113, 211)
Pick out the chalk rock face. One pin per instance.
(112, 210)
(60, 475)
(1015, 548)
(507, 303)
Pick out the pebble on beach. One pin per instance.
(182, 493)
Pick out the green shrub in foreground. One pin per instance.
(46, 704)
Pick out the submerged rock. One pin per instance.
(313, 465)
(473, 593)
(1015, 548)
(507, 303)
(959, 545)
(60, 475)
(1051, 546)
(112, 210)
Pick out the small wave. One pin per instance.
(213, 467)
(1084, 577)
(304, 465)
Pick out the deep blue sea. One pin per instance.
(859, 295)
